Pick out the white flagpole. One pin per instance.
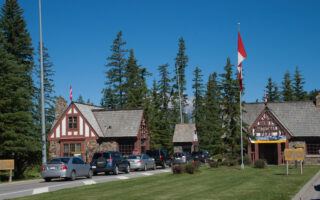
(43, 127)
(241, 139)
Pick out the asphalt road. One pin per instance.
(31, 187)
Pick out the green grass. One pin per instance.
(215, 183)
(32, 172)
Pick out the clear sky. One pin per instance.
(278, 36)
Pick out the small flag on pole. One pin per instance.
(70, 93)
(241, 56)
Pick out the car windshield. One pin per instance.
(59, 160)
(133, 157)
(98, 155)
(178, 155)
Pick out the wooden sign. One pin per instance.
(294, 154)
(6, 164)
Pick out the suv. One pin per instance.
(181, 158)
(110, 161)
(160, 156)
(201, 156)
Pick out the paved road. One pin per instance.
(25, 188)
(311, 190)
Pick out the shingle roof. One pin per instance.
(86, 111)
(185, 133)
(120, 123)
(301, 118)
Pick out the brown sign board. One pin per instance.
(6, 164)
(294, 154)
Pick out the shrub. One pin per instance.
(230, 162)
(260, 163)
(196, 164)
(213, 163)
(190, 168)
(178, 169)
(247, 160)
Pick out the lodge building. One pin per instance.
(185, 138)
(272, 127)
(82, 130)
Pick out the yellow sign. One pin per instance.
(6, 164)
(294, 154)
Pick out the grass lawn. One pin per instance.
(214, 183)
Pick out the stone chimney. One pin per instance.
(61, 105)
(318, 100)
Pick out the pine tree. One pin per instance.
(198, 92)
(210, 138)
(230, 111)
(135, 87)
(19, 137)
(115, 75)
(180, 80)
(272, 91)
(298, 91)
(48, 84)
(80, 99)
(312, 94)
(287, 91)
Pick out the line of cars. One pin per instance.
(112, 162)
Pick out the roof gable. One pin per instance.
(185, 133)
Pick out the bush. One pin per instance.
(247, 160)
(213, 163)
(190, 168)
(196, 164)
(260, 163)
(178, 169)
(230, 162)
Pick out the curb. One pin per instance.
(308, 185)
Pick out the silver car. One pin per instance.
(141, 162)
(67, 168)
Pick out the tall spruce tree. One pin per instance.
(287, 91)
(272, 91)
(231, 110)
(299, 93)
(18, 137)
(135, 87)
(80, 99)
(198, 92)
(115, 75)
(211, 136)
(181, 62)
(48, 84)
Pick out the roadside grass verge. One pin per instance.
(32, 172)
(210, 183)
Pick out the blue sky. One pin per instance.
(278, 36)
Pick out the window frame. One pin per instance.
(74, 123)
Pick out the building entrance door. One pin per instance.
(269, 153)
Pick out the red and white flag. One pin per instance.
(70, 93)
(241, 56)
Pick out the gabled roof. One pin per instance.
(301, 118)
(185, 133)
(119, 123)
(86, 111)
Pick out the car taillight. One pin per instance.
(43, 168)
(63, 167)
(161, 157)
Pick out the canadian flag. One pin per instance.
(241, 56)
(70, 93)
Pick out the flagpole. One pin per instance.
(43, 127)
(241, 139)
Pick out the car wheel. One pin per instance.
(73, 176)
(90, 174)
(116, 170)
(154, 166)
(127, 169)
(47, 179)
(145, 168)
(95, 173)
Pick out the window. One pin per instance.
(71, 149)
(72, 122)
(126, 149)
(313, 149)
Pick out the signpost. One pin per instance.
(7, 165)
(294, 155)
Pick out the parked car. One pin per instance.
(160, 156)
(181, 157)
(141, 162)
(65, 167)
(110, 161)
(201, 156)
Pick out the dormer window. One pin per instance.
(72, 122)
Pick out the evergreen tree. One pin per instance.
(312, 94)
(89, 102)
(135, 86)
(18, 136)
(164, 86)
(113, 94)
(298, 91)
(210, 138)
(80, 99)
(287, 91)
(230, 111)
(180, 80)
(48, 85)
(198, 91)
(272, 91)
